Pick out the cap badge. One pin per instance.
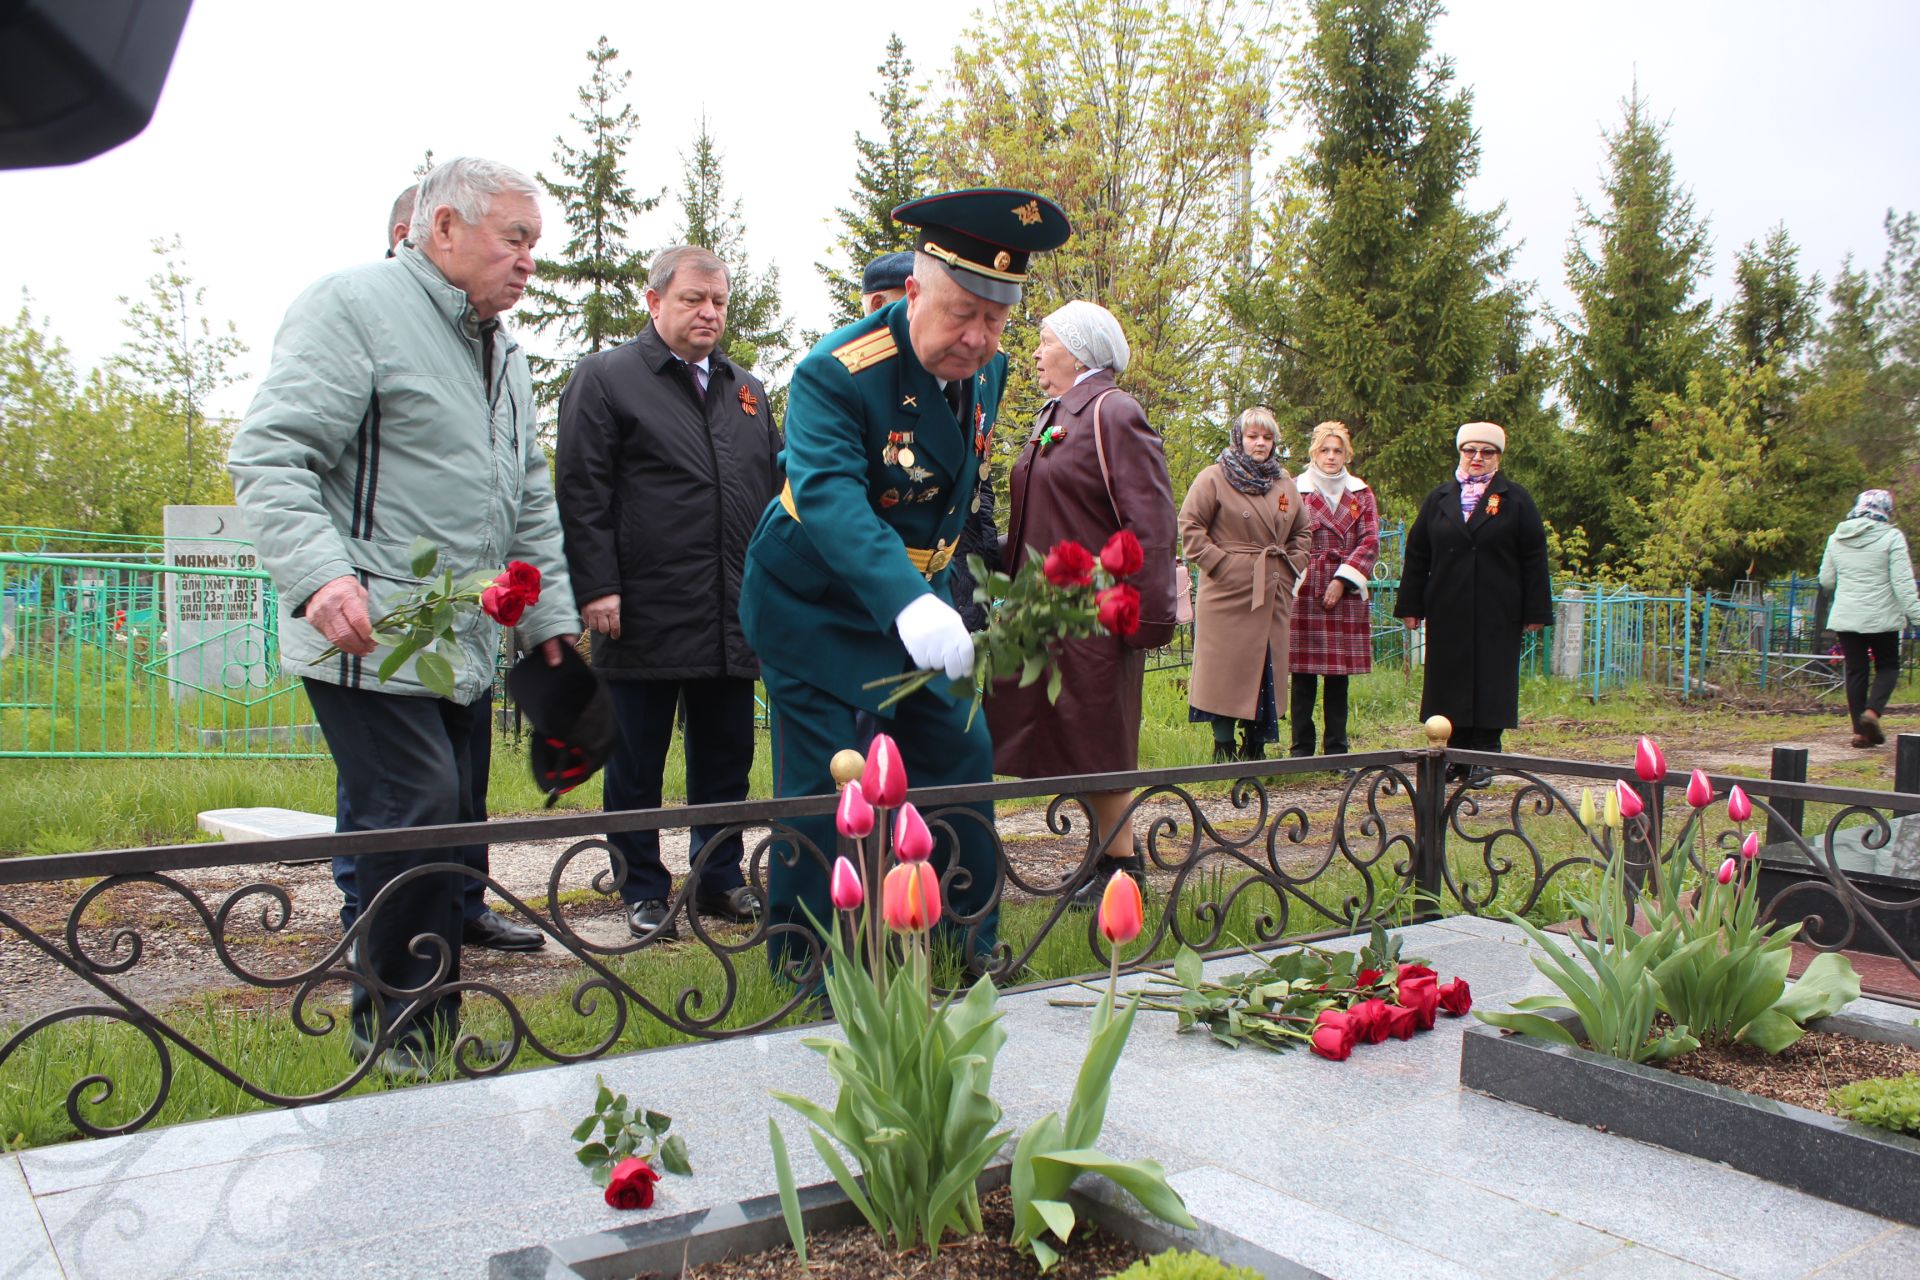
(1002, 260)
(1028, 213)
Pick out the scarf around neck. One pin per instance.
(1248, 476)
(1329, 487)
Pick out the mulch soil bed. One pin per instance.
(1803, 1073)
(856, 1253)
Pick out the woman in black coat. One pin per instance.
(1476, 572)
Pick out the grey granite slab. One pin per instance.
(1893, 1256)
(1731, 1221)
(1637, 1262)
(25, 1251)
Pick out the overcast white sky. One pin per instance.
(286, 129)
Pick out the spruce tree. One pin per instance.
(1383, 301)
(1639, 331)
(758, 337)
(593, 296)
(893, 169)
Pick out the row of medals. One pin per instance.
(901, 455)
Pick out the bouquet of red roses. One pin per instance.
(1067, 594)
(430, 614)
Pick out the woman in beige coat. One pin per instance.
(1243, 523)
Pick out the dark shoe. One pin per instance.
(1479, 777)
(648, 919)
(1224, 753)
(495, 932)
(1334, 749)
(1300, 753)
(406, 1059)
(1252, 747)
(1870, 727)
(1088, 895)
(1860, 740)
(738, 905)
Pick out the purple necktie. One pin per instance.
(699, 379)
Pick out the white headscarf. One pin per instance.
(1092, 334)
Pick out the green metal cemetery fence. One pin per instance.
(129, 658)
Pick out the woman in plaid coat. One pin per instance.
(1332, 635)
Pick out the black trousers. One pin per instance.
(719, 756)
(480, 766)
(1885, 648)
(403, 762)
(1301, 713)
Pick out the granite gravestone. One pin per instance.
(217, 639)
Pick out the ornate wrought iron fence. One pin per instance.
(1239, 855)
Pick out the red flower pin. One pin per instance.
(1493, 505)
(749, 402)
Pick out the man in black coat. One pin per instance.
(1476, 571)
(666, 458)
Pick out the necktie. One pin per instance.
(954, 391)
(699, 379)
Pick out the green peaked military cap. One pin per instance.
(983, 236)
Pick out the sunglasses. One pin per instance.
(1475, 451)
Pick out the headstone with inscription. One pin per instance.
(216, 622)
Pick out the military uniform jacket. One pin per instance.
(828, 570)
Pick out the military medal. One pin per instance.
(891, 498)
(918, 474)
(976, 503)
(899, 450)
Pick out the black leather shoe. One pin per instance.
(1088, 895)
(648, 919)
(1224, 752)
(738, 905)
(495, 932)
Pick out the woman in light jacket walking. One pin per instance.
(1869, 576)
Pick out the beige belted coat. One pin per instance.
(1251, 550)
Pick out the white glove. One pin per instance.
(936, 637)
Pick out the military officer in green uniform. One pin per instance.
(889, 429)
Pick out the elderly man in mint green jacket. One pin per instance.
(396, 407)
(1868, 575)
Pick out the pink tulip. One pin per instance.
(1699, 790)
(912, 842)
(1631, 805)
(845, 889)
(1750, 847)
(854, 817)
(910, 898)
(1648, 760)
(1726, 872)
(1739, 808)
(885, 778)
(1121, 911)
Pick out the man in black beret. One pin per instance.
(885, 281)
(889, 429)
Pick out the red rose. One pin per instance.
(1122, 556)
(510, 595)
(1455, 997)
(1069, 565)
(1367, 977)
(1119, 609)
(1417, 971)
(631, 1186)
(1333, 1035)
(1422, 995)
(1401, 1021)
(1370, 1020)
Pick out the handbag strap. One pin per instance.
(1100, 448)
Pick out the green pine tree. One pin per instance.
(758, 337)
(1383, 299)
(892, 169)
(1640, 329)
(593, 296)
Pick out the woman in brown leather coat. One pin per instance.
(1243, 523)
(1091, 468)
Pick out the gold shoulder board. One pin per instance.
(866, 351)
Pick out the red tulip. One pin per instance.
(854, 817)
(1122, 556)
(1750, 847)
(1122, 914)
(1739, 808)
(1699, 790)
(1648, 760)
(884, 781)
(910, 898)
(1630, 803)
(912, 842)
(1456, 997)
(1726, 872)
(845, 888)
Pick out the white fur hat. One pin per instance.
(1481, 433)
